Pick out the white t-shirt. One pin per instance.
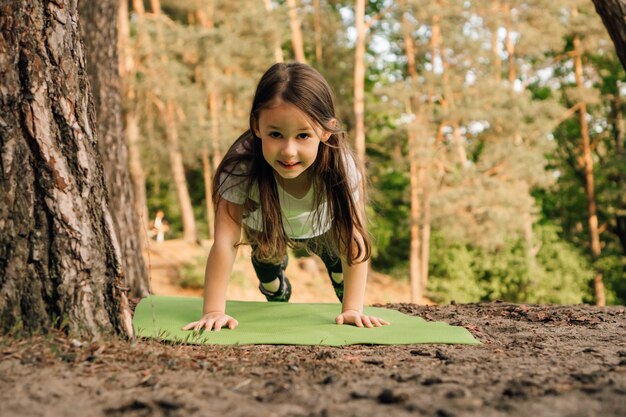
(300, 219)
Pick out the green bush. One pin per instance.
(192, 273)
(557, 273)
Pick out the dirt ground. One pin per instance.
(537, 361)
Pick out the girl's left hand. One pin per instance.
(359, 319)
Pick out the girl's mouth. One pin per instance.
(288, 165)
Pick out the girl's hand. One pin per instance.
(215, 320)
(359, 319)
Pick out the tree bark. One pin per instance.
(594, 234)
(296, 32)
(613, 13)
(359, 80)
(99, 32)
(60, 262)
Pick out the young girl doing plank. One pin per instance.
(289, 181)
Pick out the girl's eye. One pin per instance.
(303, 136)
(274, 134)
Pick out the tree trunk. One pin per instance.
(359, 80)
(178, 173)
(589, 178)
(214, 111)
(613, 13)
(100, 37)
(137, 173)
(459, 144)
(415, 261)
(204, 13)
(131, 118)
(433, 44)
(138, 6)
(317, 19)
(495, 50)
(415, 268)
(424, 176)
(208, 180)
(155, 6)
(278, 51)
(60, 262)
(296, 32)
(510, 46)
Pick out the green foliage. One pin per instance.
(558, 273)
(613, 268)
(192, 273)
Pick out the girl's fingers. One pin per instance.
(366, 321)
(189, 326)
(220, 323)
(358, 321)
(375, 321)
(208, 325)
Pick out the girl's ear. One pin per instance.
(255, 128)
(334, 124)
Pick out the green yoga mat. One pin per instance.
(263, 323)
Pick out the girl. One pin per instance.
(289, 181)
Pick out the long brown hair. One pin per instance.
(302, 86)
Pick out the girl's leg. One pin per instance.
(331, 261)
(274, 285)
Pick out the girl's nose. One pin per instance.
(289, 147)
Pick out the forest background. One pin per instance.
(492, 131)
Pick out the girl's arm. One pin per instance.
(355, 279)
(219, 267)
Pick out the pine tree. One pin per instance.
(61, 263)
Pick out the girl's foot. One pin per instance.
(336, 278)
(283, 294)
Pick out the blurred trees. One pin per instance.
(473, 121)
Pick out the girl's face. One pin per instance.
(290, 140)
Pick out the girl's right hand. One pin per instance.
(215, 320)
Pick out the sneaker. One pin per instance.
(283, 294)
